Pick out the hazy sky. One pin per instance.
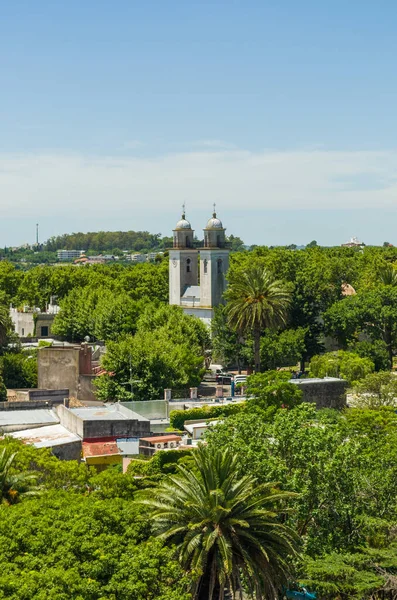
(284, 113)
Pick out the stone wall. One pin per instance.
(324, 393)
(69, 451)
(59, 368)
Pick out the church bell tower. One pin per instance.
(183, 261)
(214, 263)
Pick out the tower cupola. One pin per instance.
(183, 233)
(214, 233)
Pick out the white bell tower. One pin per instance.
(183, 261)
(214, 263)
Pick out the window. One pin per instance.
(219, 266)
(23, 331)
(44, 331)
(175, 244)
(188, 244)
(205, 266)
(188, 265)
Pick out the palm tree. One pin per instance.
(257, 301)
(388, 275)
(224, 526)
(13, 486)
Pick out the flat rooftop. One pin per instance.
(315, 380)
(46, 437)
(105, 413)
(27, 417)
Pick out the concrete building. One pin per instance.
(197, 278)
(32, 323)
(329, 392)
(63, 444)
(68, 255)
(108, 422)
(68, 367)
(150, 445)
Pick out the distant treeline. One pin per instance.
(108, 241)
(113, 241)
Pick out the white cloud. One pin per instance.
(61, 184)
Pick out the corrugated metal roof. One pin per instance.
(99, 449)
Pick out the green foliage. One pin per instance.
(178, 417)
(114, 241)
(19, 370)
(224, 526)
(283, 349)
(375, 351)
(13, 485)
(152, 362)
(347, 365)
(377, 390)
(268, 392)
(257, 301)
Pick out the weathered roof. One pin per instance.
(46, 437)
(28, 417)
(162, 438)
(99, 449)
(105, 413)
(128, 447)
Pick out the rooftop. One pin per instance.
(113, 412)
(27, 417)
(162, 438)
(46, 437)
(99, 449)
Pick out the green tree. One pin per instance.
(150, 361)
(224, 527)
(19, 370)
(257, 301)
(346, 365)
(376, 390)
(284, 348)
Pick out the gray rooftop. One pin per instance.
(192, 291)
(315, 380)
(111, 412)
(46, 437)
(27, 417)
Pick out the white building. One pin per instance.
(66, 255)
(197, 278)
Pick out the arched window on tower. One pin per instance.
(205, 266)
(188, 244)
(188, 265)
(219, 262)
(175, 244)
(218, 241)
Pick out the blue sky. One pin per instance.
(283, 113)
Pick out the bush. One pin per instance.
(178, 417)
(347, 365)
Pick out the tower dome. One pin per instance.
(214, 222)
(183, 223)
(183, 233)
(214, 233)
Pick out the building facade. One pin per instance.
(197, 278)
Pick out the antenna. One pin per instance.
(183, 210)
(37, 234)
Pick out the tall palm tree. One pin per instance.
(257, 301)
(13, 486)
(224, 526)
